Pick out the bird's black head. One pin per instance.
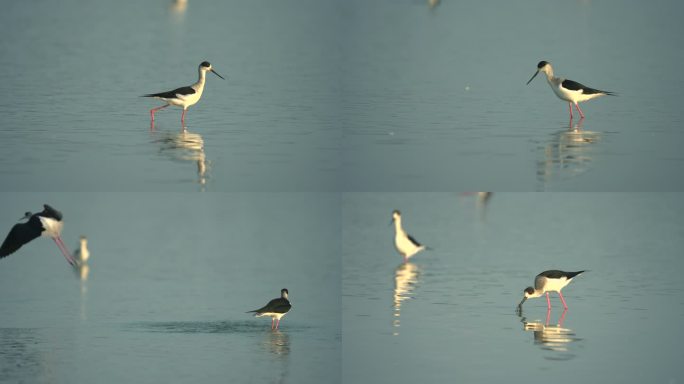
(542, 64)
(529, 290)
(50, 212)
(284, 293)
(27, 215)
(205, 64)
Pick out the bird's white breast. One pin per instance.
(404, 244)
(51, 227)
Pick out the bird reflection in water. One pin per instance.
(568, 154)
(553, 338)
(185, 146)
(432, 4)
(277, 342)
(405, 280)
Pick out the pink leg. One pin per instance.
(277, 323)
(579, 110)
(272, 322)
(570, 108)
(548, 301)
(548, 316)
(563, 300)
(153, 110)
(183, 118)
(62, 248)
(562, 318)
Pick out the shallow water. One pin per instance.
(449, 314)
(73, 119)
(171, 277)
(435, 99)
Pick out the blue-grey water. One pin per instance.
(323, 99)
(449, 314)
(340, 95)
(435, 99)
(171, 277)
(72, 118)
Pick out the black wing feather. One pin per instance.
(278, 305)
(575, 86)
(414, 241)
(18, 236)
(556, 274)
(173, 94)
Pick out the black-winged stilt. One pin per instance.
(275, 309)
(184, 96)
(568, 90)
(549, 281)
(47, 223)
(406, 245)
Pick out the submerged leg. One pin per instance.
(570, 109)
(563, 300)
(579, 110)
(548, 301)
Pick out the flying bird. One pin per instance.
(47, 223)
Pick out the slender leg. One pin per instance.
(272, 322)
(562, 318)
(277, 323)
(183, 118)
(579, 110)
(62, 248)
(548, 316)
(570, 108)
(562, 299)
(153, 110)
(548, 301)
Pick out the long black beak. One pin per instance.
(533, 76)
(521, 302)
(217, 74)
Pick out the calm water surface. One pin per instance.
(435, 99)
(450, 314)
(73, 73)
(171, 277)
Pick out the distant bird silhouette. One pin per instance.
(47, 223)
(275, 309)
(81, 254)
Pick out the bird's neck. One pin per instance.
(397, 225)
(549, 74)
(200, 81)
